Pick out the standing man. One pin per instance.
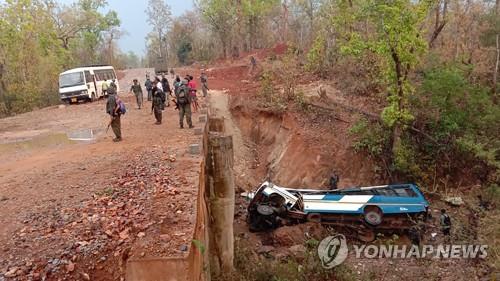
(157, 104)
(192, 93)
(114, 112)
(445, 222)
(149, 87)
(177, 84)
(334, 180)
(182, 97)
(166, 88)
(204, 83)
(113, 85)
(105, 87)
(137, 90)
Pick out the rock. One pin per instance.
(454, 201)
(298, 251)
(85, 276)
(184, 248)
(288, 236)
(265, 249)
(61, 106)
(141, 234)
(70, 267)
(12, 272)
(124, 234)
(194, 149)
(198, 131)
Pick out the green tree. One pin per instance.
(398, 41)
(221, 16)
(30, 57)
(254, 12)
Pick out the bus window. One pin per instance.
(405, 192)
(88, 77)
(386, 192)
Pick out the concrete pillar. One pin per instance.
(220, 195)
(216, 124)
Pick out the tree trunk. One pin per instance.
(224, 47)
(495, 72)
(285, 21)
(396, 132)
(439, 23)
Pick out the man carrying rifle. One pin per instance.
(182, 97)
(114, 112)
(157, 104)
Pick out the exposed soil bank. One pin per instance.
(301, 152)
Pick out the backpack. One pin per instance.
(121, 104)
(447, 220)
(163, 96)
(182, 96)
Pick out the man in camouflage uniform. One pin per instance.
(182, 97)
(157, 104)
(137, 90)
(204, 83)
(149, 87)
(113, 110)
(112, 84)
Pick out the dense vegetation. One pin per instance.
(433, 63)
(39, 39)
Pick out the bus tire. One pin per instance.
(373, 215)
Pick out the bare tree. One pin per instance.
(160, 18)
(440, 21)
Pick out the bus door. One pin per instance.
(91, 85)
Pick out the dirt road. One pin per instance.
(78, 207)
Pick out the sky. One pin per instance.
(134, 20)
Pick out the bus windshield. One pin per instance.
(71, 79)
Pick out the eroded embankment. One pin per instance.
(300, 151)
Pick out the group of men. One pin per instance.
(158, 91)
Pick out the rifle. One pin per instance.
(176, 104)
(109, 124)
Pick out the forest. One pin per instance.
(433, 64)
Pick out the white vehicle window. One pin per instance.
(71, 79)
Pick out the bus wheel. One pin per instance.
(373, 215)
(314, 217)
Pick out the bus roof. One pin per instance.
(84, 68)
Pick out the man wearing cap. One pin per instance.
(149, 87)
(114, 112)
(137, 90)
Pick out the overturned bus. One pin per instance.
(365, 210)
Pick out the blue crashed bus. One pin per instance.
(397, 206)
